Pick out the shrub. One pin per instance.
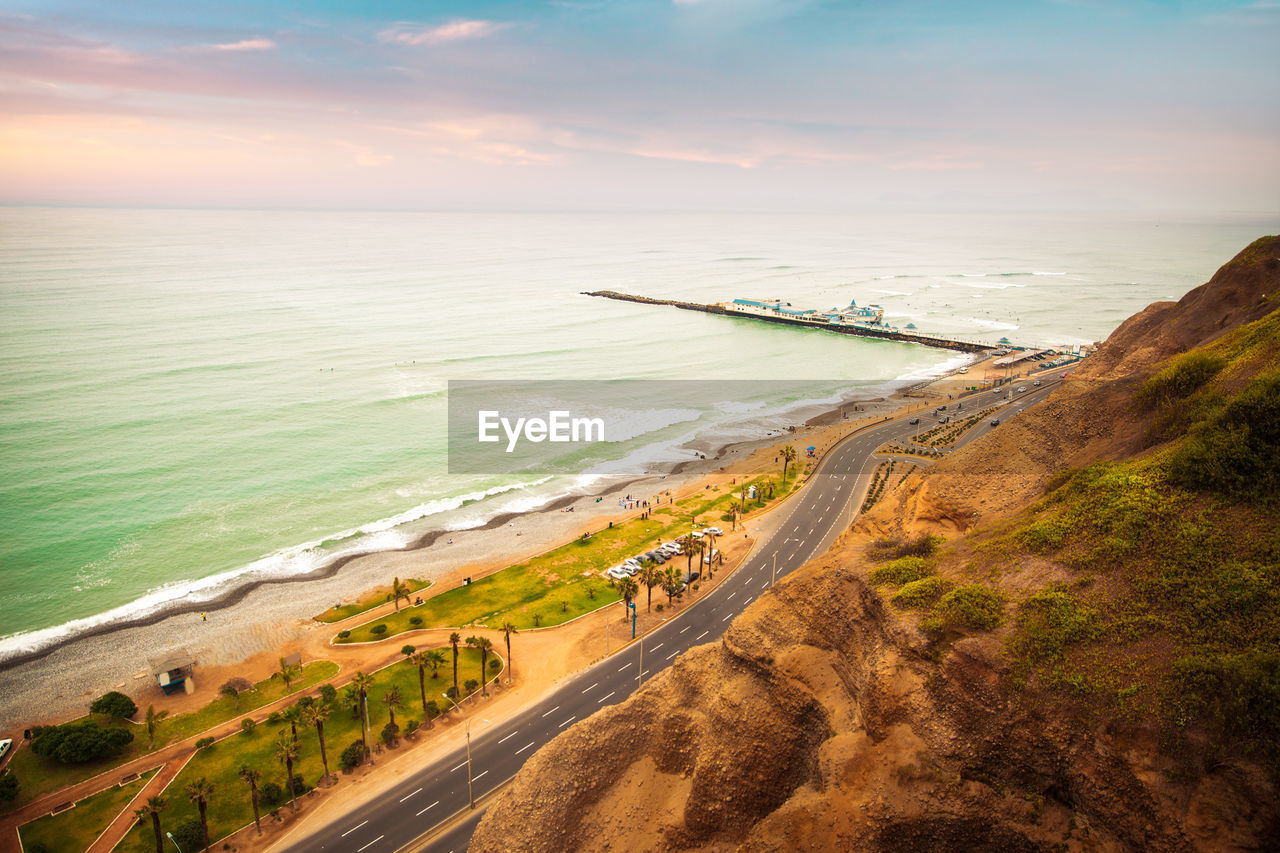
(1179, 379)
(391, 734)
(273, 718)
(1050, 621)
(1235, 451)
(351, 756)
(378, 630)
(415, 621)
(189, 835)
(36, 847)
(902, 570)
(328, 693)
(495, 665)
(659, 607)
(922, 593)
(972, 606)
(76, 743)
(342, 635)
(451, 692)
(271, 794)
(247, 725)
(469, 686)
(1042, 537)
(204, 743)
(411, 727)
(407, 649)
(433, 710)
(9, 788)
(114, 704)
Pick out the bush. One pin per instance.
(407, 650)
(451, 692)
(921, 593)
(1179, 379)
(495, 665)
(114, 704)
(1238, 696)
(204, 743)
(411, 727)
(247, 725)
(433, 710)
(9, 788)
(351, 756)
(36, 847)
(342, 635)
(378, 630)
(272, 794)
(328, 693)
(972, 606)
(391, 734)
(902, 570)
(1235, 451)
(659, 607)
(1050, 621)
(469, 686)
(274, 718)
(415, 621)
(1042, 537)
(76, 743)
(188, 835)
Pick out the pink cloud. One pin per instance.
(458, 30)
(244, 44)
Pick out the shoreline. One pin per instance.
(273, 614)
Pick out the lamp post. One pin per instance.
(471, 797)
(174, 840)
(774, 577)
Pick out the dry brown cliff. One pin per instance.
(829, 719)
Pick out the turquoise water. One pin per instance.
(191, 397)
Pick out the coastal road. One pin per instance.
(411, 814)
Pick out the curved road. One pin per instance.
(409, 815)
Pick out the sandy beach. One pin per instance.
(275, 618)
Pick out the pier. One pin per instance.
(865, 331)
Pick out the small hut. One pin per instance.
(174, 671)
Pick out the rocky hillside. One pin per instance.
(1089, 661)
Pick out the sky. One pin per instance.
(643, 104)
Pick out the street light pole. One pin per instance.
(174, 840)
(471, 797)
(774, 577)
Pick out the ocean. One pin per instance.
(192, 398)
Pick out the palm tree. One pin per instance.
(435, 659)
(199, 793)
(485, 645)
(153, 725)
(650, 575)
(151, 809)
(315, 715)
(250, 776)
(362, 683)
(287, 751)
(507, 630)
(788, 456)
(454, 639)
(292, 715)
(421, 660)
(695, 547)
(391, 698)
(671, 583)
(288, 672)
(628, 589)
(686, 543)
(398, 591)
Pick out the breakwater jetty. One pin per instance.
(864, 330)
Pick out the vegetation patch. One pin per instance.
(901, 571)
(921, 594)
(73, 830)
(368, 601)
(972, 606)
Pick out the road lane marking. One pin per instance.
(584, 691)
(509, 737)
(553, 710)
(463, 764)
(673, 654)
(427, 809)
(600, 701)
(660, 645)
(624, 666)
(523, 748)
(685, 628)
(731, 596)
(354, 828)
(700, 636)
(371, 843)
(482, 772)
(727, 616)
(566, 722)
(414, 794)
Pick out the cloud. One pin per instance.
(244, 44)
(457, 30)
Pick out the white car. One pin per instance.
(631, 561)
(715, 552)
(617, 572)
(1022, 388)
(716, 530)
(5, 746)
(697, 534)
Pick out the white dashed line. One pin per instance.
(655, 648)
(427, 809)
(594, 685)
(523, 748)
(700, 636)
(600, 701)
(509, 737)
(673, 654)
(408, 796)
(463, 764)
(730, 597)
(727, 616)
(354, 828)
(553, 710)
(624, 666)
(685, 628)
(370, 844)
(566, 722)
(482, 772)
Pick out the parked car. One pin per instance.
(942, 408)
(689, 577)
(698, 534)
(1022, 388)
(914, 421)
(617, 572)
(7, 743)
(995, 422)
(1036, 383)
(715, 552)
(716, 530)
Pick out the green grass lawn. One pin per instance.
(75, 829)
(367, 602)
(229, 808)
(556, 587)
(38, 775)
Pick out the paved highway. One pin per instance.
(811, 520)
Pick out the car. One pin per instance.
(995, 422)
(715, 552)
(617, 572)
(631, 561)
(689, 577)
(942, 408)
(716, 530)
(5, 746)
(914, 421)
(1036, 383)
(697, 534)
(944, 419)
(1062, 376)
(1022, 388)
